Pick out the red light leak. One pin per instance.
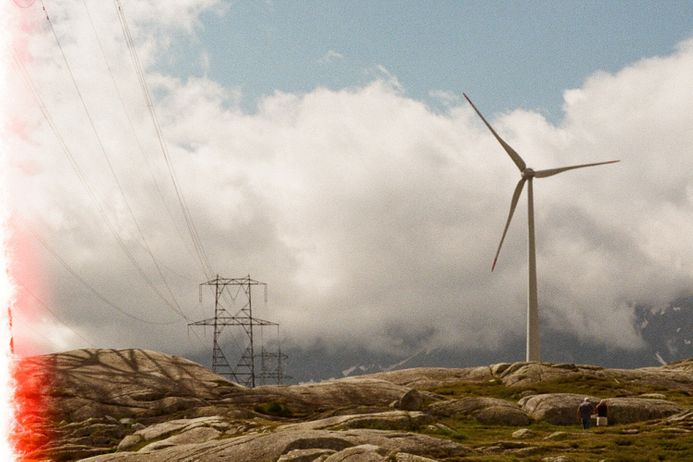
(34, 429)
(32, 376)
(24, 3)
(26, 383)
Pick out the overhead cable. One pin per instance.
(91, 289)
(113, 172)
(194, 235)
(52, 313)
(85, 183)
(138, 142)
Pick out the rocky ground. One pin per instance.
(138, 405)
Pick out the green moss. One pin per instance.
(273, 408)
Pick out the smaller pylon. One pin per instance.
(272, 367)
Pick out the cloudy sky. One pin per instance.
(325, 149)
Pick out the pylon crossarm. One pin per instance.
(206, 322)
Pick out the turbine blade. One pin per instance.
(511, 152)
(513, 205)
(555, 171)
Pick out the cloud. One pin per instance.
(446, 98)
(372, 218)
(331, 56)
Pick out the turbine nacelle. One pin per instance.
(528, 173)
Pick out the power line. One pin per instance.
(83, 179)
(197, 243)
(85, 183)
(109, 163)
(132, 129)
(137, 66)
(91, 289)
(52, 313)
(112, 170)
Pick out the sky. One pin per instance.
(325, 148)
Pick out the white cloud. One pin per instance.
(331, 56)
(373, 219)
(446, 98)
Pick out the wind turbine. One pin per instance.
(527, 176)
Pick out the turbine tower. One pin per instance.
(527, 176)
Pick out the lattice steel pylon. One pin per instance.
(272, 366)
(244, 372)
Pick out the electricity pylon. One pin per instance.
(244, 372)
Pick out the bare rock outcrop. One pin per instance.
(342, 396)
(155, 407)
(524, 374)
(392, 420)
(555, 408)
(92, 383)
(629, 410)
(429, 377)
(485, 410)
(675, 376)
(269, 447)
(560, 408)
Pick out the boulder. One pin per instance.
(559, 436)
(410, 401)
(524, 433)
(628, 410)
(555, 408)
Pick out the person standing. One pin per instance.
(602, 412)
(584, 413)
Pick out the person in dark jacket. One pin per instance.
(584, 413)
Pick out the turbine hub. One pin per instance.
(527, 173)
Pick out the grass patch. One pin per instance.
(650, 442)
(574, 383)
(608, 443)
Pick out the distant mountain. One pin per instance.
(668, 333)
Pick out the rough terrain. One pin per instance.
(138, 405)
